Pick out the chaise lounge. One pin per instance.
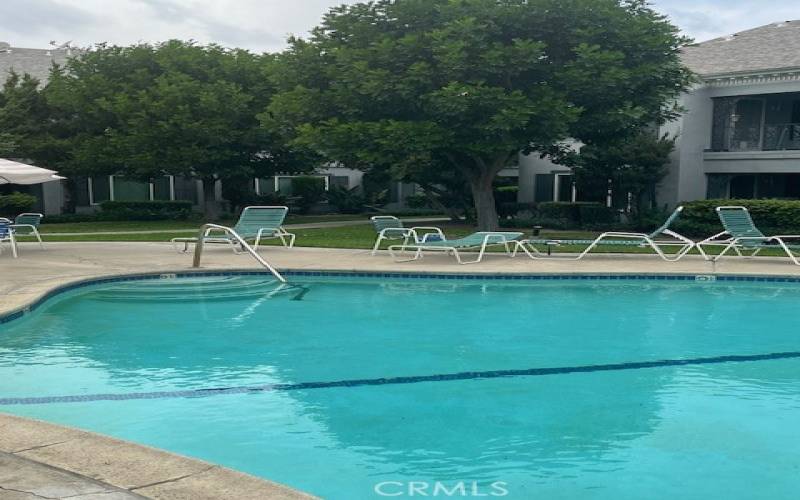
(742, 235)
(653, 240)
(255, 223)
(480, 240)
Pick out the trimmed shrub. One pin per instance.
(309, 191)
(146, 210)
(347, 201)
(417, 201)
(699, 218)
(576, 215)
(16, 203)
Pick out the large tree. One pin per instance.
(475, 81)
(174, 108)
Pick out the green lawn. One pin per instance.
(358, 236)
(162, 225)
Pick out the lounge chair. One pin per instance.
(7, 234)
(390, 227)
(741, 234)
(27, 224)
(481, 240)
(652, 240)
(255, 223)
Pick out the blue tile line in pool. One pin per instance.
(401, 275)
(201, 393)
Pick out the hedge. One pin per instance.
(146, 210)
(771, 216)
(575, 215)
(16, 203)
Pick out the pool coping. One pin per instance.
(117, 466)
(51, 292)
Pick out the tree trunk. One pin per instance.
(210, 203)
(433, 199)
(483, 195)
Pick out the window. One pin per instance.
(117, 188)
(130, 189)
(99, 189)
(554, 187)
(544, 187)
(283, 183)
(163, 187)
(563, 187)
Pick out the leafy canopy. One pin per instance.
(397, 84)
(172, 108)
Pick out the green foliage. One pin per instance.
(417, 201)
(146, 210)
(148, 110)
(699, 218)
(309, 191)
(562, 215)
(635, 164)
(460, 87)
(347, 201)
(16, 203)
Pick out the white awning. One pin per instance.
(12, 172)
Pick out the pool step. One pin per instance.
(195, 289)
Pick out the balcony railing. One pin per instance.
(776, 137)
(781, 136)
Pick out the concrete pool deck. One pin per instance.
(42, 460)
(36, 271)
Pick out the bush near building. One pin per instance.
(16, 203)
(699, 218)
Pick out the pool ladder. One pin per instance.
(201, 238)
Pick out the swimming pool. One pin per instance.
(355, 387)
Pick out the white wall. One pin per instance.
(529, 166)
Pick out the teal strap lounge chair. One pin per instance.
(654, 240)
(481, 240)
(27, 224)
(389, 227)
(743, 237)
(7, 234)
(255, 223)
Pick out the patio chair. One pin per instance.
(741, 234)
(481, 240)
(255, 223)
(27, 224)
(653, 240)
(390, 227)
(7, 234)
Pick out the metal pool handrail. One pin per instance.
(198, 248)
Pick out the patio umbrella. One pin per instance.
(12, 172)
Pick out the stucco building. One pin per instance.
(739, 136)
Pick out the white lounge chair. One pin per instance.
(480, 240)
(27, 224)
(255, 223)
(742, 235)
(653, 240)
(7, 234)
(390, 227)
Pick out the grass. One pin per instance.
(355, 236)
(167, 225)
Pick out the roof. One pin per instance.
(35, 62)
(770, 47)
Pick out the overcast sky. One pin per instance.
(262, 25)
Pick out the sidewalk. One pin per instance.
(311, 225)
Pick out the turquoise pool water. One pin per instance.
(350, 387)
